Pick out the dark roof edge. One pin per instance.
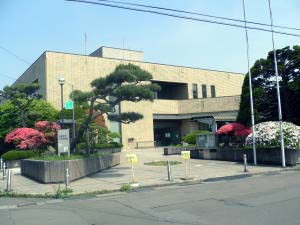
(131, 50)
(30, 66)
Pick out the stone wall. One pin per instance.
(264, 155)
(54, 171)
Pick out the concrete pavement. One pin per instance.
(263, 199)
(114, 178)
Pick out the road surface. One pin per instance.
(265, 199)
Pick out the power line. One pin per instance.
(11, 53)
(185, 17)
(7, 76)
(199, 14)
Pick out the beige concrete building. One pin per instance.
(190, 98)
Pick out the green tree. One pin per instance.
(264, 88)
(126, 83)
(41, 110)
(22, 96)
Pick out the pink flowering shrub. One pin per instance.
(26, 138)
(236, 129)
(49, 129)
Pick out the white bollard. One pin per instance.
(8, 181)
(4, 171)
(169, 171)
(1, 164)
(67, 178)
(245, 163)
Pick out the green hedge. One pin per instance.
(81, 145)
(191, 138)
(18, 154)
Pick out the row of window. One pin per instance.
(204, 91)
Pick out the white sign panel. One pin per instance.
(63, 140)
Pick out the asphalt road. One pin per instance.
(266, 199)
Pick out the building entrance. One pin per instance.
(167, 132)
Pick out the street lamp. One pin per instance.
(61, 82)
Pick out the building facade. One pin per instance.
(190, 98)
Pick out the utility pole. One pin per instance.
(278, 91)
(250, 87)
(73, 115)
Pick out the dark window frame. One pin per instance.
(195, 91)
(204, 91)
(213, 91)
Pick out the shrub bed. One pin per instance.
(82, 145)
(18, 154)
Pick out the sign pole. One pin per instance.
(186, 155)
(133, 179)
(73, 112)
(185, 168)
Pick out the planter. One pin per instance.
(210, 154)
(109, 150)
(177, 150)
(264, 155)
(13, 164)
(54, 171)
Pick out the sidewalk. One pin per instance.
(115, 178)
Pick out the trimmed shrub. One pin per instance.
(81, 145)
(17, 154)
(109, 145)
(191, 138)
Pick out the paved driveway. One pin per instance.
(114, 178)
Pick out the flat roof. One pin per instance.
(163, 64)
(189, 67)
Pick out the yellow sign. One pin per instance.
(131, 158)
(185, 154)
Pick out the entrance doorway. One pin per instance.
(167, 132)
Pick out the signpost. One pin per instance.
(132, 158)
(69, 105)
(186, 156)
(63, 140)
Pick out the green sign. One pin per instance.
(69, 104)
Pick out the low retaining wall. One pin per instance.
(13, 164)
(264, 155)
(177, 150)
(109, 150)
(54, 171)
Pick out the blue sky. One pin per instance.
(29, 27)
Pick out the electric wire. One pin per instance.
(15, 55)
(9, 77)
(199, 14)
(185, 17)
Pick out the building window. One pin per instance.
(195, 91)
(204, 92)
(213, 91)
(130, 140)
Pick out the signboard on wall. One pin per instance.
(63, 140)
